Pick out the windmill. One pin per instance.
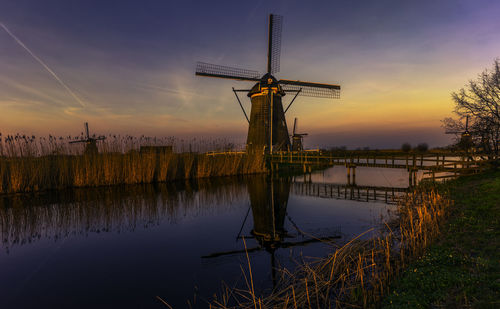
(297, 138)
(465, 136)
(267, 124)
(90, 141)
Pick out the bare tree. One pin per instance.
(480, 100)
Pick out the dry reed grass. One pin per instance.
(357, 274)
(30, 164)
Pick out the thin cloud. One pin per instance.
(44, 65)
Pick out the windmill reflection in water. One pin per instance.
(268, 203)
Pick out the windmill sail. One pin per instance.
(87, 129)
(274, 43)
(310, 89)
(222, 71)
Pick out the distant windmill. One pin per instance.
(465, 136)
(267, 123)
(297, 138)
(90, 141)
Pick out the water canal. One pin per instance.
(122, 246)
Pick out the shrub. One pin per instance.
(422, 147)
(406, 147)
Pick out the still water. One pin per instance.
(122, 246)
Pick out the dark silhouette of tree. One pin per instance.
(480, 100)
(422, 147)
(406, 147)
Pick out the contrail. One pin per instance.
(43, 64)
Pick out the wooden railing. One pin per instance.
(452, 164)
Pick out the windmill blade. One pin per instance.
(87, 129)
(466, 122)
(221, 71)
(217, 254)
(311, 89)
(309, 241)
(281, 245)
(78, 141)
(274, 43)
(294, 125)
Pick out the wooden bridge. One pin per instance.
(434, 165)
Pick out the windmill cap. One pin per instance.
(265, 81)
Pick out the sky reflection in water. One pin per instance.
(122, 246)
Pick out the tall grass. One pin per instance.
(356, 274)
(31, 164)
(21, 145)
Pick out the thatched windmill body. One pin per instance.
(90, 141)
(267, 124)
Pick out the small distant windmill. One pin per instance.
(90, 141)
(267, 124)
(465, 136)
(297, 138)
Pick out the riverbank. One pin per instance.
(49, 172)
(462, 268)
(361, 273)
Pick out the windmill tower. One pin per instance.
(297, 138)
(465, 137)
(267, 124)
(90, 141)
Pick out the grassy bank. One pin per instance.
(462, 268)
(28, 174)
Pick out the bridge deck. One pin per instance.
(431, 162)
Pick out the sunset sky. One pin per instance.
(127, 67)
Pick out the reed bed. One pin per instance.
(356, 274)
(29, 164)
(22, 145)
